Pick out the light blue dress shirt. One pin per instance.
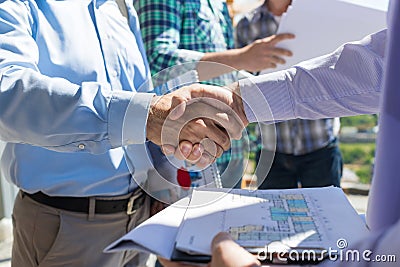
(68, 71)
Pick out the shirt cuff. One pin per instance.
(128, 117)
(266, 98)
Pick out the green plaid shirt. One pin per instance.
(181, 31)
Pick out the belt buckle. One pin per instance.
(130, 209)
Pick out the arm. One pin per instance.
(344, 83)
(58, 114)
(53, 112)
(161, 22)
(260, 54)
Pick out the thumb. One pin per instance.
(219, 238)
(178, 107)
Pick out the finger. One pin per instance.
(184, 150)
(225, 117)
(210, 147)
(275, 59)
(220, 237)
(205, 160)
(167, 263)
(168, 149)
(178, 107)
(217, 134)
(221, 98)
(200, 129)
(220, 150)
(274, 39)
(277, 51)
(228, 253)
(197, 152)
(270, 66)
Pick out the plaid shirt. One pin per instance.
(181, 31)
(297, 137)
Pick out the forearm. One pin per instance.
(344, 83)
(40, 108)
(62, 116)
(227, 61)
(163, 56)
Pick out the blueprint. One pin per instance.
(312, 218)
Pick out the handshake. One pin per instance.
(197, 122)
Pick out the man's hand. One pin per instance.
(263, 53)
(167, 263)
(226, 253)
(205, 117)
(259, 55)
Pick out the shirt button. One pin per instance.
(81, 146)
(114, 73)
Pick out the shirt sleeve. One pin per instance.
(160, 22)
(346, 82)
(52, 112)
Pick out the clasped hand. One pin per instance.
(197, 122)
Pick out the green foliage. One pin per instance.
(362, 122)
(352, 156)
(357, 153)
(364, 173)
(359, 157)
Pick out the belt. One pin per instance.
(81, 204)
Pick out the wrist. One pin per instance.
(237, 104)
(154, 118)
(238, 55)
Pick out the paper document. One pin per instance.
(321, 26)
(312, 218)
(315, 217)
(156, 235)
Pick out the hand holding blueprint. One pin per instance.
(314, 217)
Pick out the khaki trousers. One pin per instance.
(49, 237)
